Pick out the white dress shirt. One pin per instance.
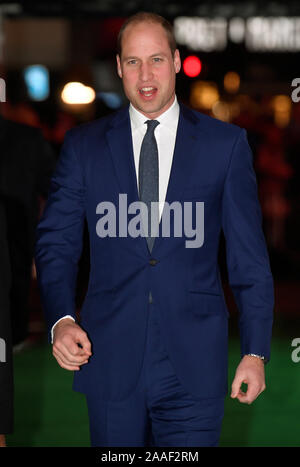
(165, 134)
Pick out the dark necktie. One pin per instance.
(148, 177)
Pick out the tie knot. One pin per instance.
(152, 124)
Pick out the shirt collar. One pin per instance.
(169, 118)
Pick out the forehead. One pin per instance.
(144, 36)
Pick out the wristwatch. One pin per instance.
(258, 356)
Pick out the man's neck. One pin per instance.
(161, 115)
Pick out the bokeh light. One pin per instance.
(77, 93)
(192, 66)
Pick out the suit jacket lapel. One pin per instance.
(185, 152)
(120, 143)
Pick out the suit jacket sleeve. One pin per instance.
(59, 236)
(247, 258)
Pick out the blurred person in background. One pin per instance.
(6, 364)
(275, 172)
(27, 162)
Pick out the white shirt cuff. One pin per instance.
(52, 329)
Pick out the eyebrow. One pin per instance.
(153, 55)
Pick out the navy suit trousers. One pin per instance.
(158, 412)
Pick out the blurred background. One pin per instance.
(57, 70)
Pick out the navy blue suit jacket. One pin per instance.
(212, 163)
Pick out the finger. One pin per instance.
(66, 367)
(70, 341)
(68, 357)
(78, 344)
(84, 341)
(236, 386)
(262, 389)
(249, 396)
(243, 398)
(68, 361)
(73, 356)
(68, 346)
(253, 391)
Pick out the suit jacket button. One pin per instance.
(153, 262)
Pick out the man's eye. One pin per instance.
(131, 62)
(157, 59)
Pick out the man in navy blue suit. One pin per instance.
(150, 350)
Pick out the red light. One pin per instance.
(192, 66)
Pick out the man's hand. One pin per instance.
(250, 371)
(67, 336)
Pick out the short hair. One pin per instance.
(144, 16)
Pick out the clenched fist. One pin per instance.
(71, 346)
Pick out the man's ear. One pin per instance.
(177, 61)
(119, 66)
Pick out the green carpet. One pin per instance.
(49, 413)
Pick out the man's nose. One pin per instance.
(145, 72)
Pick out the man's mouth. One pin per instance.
(147, 91)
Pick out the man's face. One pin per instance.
(148, 68)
